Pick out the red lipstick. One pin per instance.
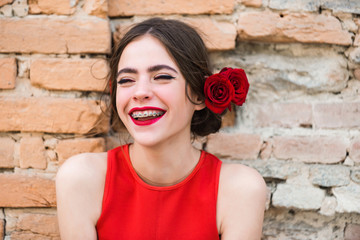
(149, 121)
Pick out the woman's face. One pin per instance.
(150, 98)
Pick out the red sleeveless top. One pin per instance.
(135, 210)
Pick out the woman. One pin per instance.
(161, 187)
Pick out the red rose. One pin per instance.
(240, 82)
(219, 92)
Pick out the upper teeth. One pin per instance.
(146, 114)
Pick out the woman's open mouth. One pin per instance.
(146, 115)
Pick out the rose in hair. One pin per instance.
(219, 92)
(240, 82)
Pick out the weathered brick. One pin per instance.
(151, 7)
(357, 73)
(354, 151)
(71, 147)
(55, 35)
(235, 146)
(54, 115)
(348, 198)
(305, 5)
(1, 229)
(37, 226)
(69, 74)
(298, 196)
(32, 153)
(291, 27)
(217, 35)
(355, 175)
(7, 152)
(328, 206)
(282, 114)
(24, 191)
(337, 115)
(275, 169)
(252, 3)
(8, 71)
(20, 8)
(52, 6)
(352, 232)
(357, 40)
(310, 149)
(329, 175)
(4, 2)
(96, 7)
(350, 6)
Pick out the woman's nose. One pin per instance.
(143, 90)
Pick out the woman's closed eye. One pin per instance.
(163, 77)
(125, 80)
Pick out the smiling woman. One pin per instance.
(161, 187)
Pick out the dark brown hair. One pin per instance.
(189, 52)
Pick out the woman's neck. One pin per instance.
(164, 165)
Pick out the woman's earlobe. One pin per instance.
(200, 104)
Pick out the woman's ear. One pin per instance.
(200, 104)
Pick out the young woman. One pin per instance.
(160, 186)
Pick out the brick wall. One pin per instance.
(300, 127)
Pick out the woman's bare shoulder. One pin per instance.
(241, 202)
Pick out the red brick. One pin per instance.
(151, 7)
(7, 153)
(8, 71)
(24, 191)
(51, 7)
(32, 153)
(310, 149)
(53, 115)
(282, 114)
(4, 2)
(235, 146)
(252, 3)
(96, 7)
(268, 26)
(354, 151)
(337, 115)
(55, 35)
(40, 225)
(71, 147)
(217, 35)
(69, 74)
(352, 232)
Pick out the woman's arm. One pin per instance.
(241, 203)
(79, 191)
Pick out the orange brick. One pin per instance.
(1, 229)
(69, 74)
(282, 114)
(151, 7)
(32, 153)
(51, 6)
(268, 26)
(71, 147)
(96, 7)
(55, 35)
(54, 115)
(24, 191)
(7, 153)
(8, 72)
(234, 146)
(4, 2)
(337, 115)
(354, 151)
(252, 3)
(310, 149)
(217, 35)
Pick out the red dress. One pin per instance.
(135, 210)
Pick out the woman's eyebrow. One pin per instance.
(150, 69)
(159, 67)
(126, 70)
